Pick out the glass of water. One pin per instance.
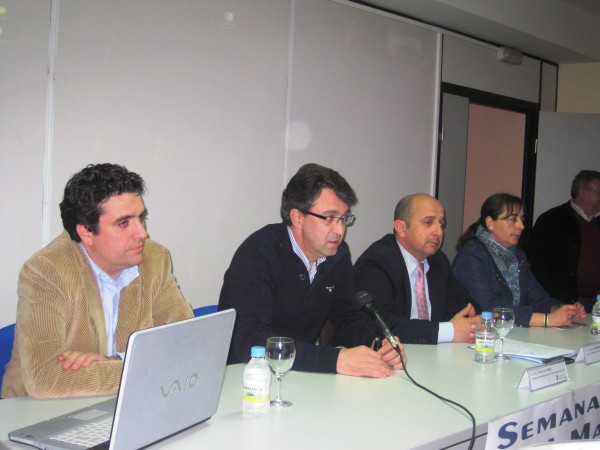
(504, 319)
(280, 355)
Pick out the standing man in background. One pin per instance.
(288, 279)
(82, 295)
(410, 279)
(564, 244)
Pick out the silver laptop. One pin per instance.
(171, 380)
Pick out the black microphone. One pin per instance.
(365, 301)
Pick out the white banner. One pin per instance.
(573, 416)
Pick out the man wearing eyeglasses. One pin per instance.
(410, 279)
(288, 279)
(564, 244)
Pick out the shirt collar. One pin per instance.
(298, 251)
(410, 261)
(580, 212)
(125, 277)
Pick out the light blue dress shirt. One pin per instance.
(110, 293)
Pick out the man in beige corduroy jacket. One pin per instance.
(81, 296)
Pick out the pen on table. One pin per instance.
(566, 359)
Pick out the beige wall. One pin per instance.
(579, 88)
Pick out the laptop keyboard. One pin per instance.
(87, 435)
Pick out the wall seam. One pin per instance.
(49, 123)
(288, 105)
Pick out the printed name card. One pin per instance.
(546, 375)
(589, 353)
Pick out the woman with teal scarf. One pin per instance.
(494, 269)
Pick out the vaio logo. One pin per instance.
(179, 386)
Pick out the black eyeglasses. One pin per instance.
(346, 220)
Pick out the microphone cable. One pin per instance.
(364, 300)
(444, 399)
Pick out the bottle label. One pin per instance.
(484, 345)
(256, 393)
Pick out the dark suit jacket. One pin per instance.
(382, 272)
(553, 251)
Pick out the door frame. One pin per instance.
(530, 110)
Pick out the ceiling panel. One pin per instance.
(559, 31)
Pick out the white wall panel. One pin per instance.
(192, 96)
(24, 30)
(567, 143)
(365, 92)
(474, 65)
(548, 90)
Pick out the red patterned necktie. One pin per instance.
(421, 296)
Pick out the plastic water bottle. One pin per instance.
(257, 385)
(596, 316)
(485, 338)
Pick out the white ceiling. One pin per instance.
(559, 31)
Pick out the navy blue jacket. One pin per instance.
(476, 269)
(382, 272)
(269, 287)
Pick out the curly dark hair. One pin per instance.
(306, 185)
(89, 189)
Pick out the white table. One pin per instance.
(335, 411)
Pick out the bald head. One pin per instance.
(419, 222)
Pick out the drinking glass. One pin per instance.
(280, 355)
(504, 319)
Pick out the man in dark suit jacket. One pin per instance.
(388, 270)
(564, 244)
